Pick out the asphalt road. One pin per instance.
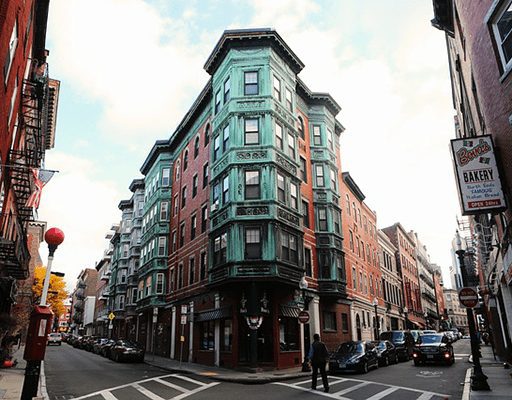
(72, 373)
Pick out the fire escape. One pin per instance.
(37, 111)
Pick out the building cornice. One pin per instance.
(352, 185)
(324, 99)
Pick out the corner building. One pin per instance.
(255, 207)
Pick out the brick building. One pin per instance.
(480, 60)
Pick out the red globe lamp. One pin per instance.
(54, 237)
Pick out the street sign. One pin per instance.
(184, 309)
(468, 297)
(183, 320)
(111, 316)
(303, 317)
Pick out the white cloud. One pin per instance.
(84, 207)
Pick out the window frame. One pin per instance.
(249, 85)
(256, 247)
(251, 132)
(276, 90)
(250, 187)
(317, 135)
(505, 65)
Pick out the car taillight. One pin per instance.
(446, 355)
(415, 354)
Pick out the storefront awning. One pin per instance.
(210, 315)
(289, 311)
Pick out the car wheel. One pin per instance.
(416, 362)
(386, 361)
(364, 368)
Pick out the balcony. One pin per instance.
(14, 254)
(332, 288)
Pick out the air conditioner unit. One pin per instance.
(214, 206)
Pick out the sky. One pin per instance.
(131, 69)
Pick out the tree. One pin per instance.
(56, 290)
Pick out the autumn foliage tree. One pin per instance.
(56, 291)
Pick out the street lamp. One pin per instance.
(39, 325)
(406, 310)
(375, 304)
(303, 285)
(478, 379)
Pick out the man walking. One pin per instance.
(318, 355)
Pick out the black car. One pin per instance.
(98, 344)
(357, 356)
(125, 350)
(402, 340)
(434, 348)
(386, 352)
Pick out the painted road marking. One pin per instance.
(146, 392)
(382, 394)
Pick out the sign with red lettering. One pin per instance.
(478, 179)
(468, 297)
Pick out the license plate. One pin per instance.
(430, 357)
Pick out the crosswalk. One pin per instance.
(165, 387)
(350, 389)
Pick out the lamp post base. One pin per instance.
(479, 381)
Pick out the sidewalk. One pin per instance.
(11, 379)
(223, 374)
(498, 378)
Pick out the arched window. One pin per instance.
(301, 128)
(196, 147)
(185, 160)
(178, 171)
(207, 135)
(348, 203)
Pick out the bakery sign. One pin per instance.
(477, 175)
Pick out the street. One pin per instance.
(77, 374)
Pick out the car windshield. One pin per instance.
(393, 336)
(126, 343)
(350, 348)
(431, 339)
(381, 345)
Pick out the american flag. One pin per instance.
(41, 178)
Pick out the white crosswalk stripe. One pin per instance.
(112, 394)
(346, 394)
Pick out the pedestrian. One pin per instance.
(318, 356)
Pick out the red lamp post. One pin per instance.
(40, 324)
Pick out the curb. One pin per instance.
(42, 384)
(467, 385)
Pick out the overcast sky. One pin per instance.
(130, 70)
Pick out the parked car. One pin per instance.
(434, 348)
(415, 334)
(97, 345)
(54, 338)
(402, 340)
(105, 348)
(357, 356)
(125, 350)
(88, 343)
(450, 336)
(428, 332)
(456, 333)
(386, 352)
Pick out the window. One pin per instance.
(320, 181)
(166, 177)
(288, 334)
(191, 270)
(174, 239)
(217, 101)
(333, 180)
(14, 96)
(325, 266)
(329, 321)
(303, 170)
(178, 170)
(219, 248)
(502, 28)
(280, 188)
(182, 234)
(140, 290)
(354, 278)
(337, 222)
(344, 322)
(279, 135)
(330, 139)
(351, 240)
(293, 196)
(196, 147)
(252, 244)
(227, 335)
(121, 302)
(322, 219)
(185, 160)
(180, 276)
(307, 262)
(194, 186)
(216, 193)
(216, 148)
(289, 247)
(288, 99)
(277, 88)
(305, 214)
(159, 283)
(183, 197)
(13, 43)
(227, 90)
(176, 202)
(301, 128)
(193, 226)
(148, 286)
(135, 295)
(252, 185)
(348, 204)
(205, 175)
(251, 129)
(225, 142)
(162, 241)
(204, 218)
(207, 135)
(203, 266)
(251, 83)
(225, 190)
(291, 145)
(164, 210)
(206, 335)
(317, 137)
